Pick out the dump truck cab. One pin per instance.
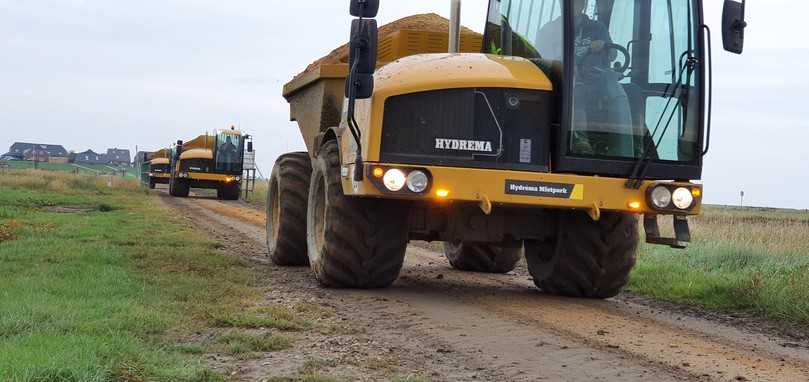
(210, 162)
(158, 169)
(571, 120)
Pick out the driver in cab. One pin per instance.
(602, 120)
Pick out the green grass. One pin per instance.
(86, 169)
(240, 342)
(258, 197)
(106, 296)
(753, 260)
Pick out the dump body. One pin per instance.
(316, 96)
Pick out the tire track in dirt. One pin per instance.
(504, 323)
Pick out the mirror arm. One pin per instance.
(351, 121)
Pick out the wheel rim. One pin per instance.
(319, 216)
(275, 212)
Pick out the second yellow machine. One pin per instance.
(211, 162)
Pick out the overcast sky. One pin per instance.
(94, 74)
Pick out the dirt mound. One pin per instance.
(430, 22)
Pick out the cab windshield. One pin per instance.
(634, 78)
(229, 152)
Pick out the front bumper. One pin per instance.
(210, 177)
(490, 188)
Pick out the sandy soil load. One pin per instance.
(426, 22)
(449, 325)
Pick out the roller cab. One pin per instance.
(209, 162)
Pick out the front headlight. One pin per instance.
(682, 198)
(417, 181)
(661, 197)
(394, 180)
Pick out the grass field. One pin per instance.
(754, 260)
(93, 169)
(102, 284)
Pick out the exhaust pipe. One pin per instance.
(455, 27)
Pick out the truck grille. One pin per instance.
(462, 128)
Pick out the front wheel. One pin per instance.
(352, 242)
(229, 191)
(484, 258)
(586, 258)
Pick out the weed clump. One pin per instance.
(239, 342)
(8, 230)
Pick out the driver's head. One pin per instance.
(578, 6)
(228, 140)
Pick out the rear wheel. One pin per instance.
(587, 258)
(352, 242)
(485, 258)
(287, 199)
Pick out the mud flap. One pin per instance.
(682, 233)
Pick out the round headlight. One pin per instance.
(394, 180)
(661, 197)
(417, 181)
(682, 198)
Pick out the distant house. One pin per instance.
(89, 157)
(39, 152)
(118, 157)
(11, 156)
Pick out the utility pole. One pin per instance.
(741, 203)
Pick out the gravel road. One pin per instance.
(448, 325)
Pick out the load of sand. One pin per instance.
(429, 22)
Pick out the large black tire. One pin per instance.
(287, 199)
(484, 258)
(181, 189)
(352, 242)
(586, 258)
(178, 188)
(152, 184)
(229, 191)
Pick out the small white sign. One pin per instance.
(525, 150)
(250, 160)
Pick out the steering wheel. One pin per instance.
(627, 57)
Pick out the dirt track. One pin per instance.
(450, 325)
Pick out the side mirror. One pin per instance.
(362, 58)
(364, 8)
(363, 84)
(362, 50)
(249, 147)
(733, 25)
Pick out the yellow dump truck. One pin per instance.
(210, 162)
(549, 138)
(157, 168)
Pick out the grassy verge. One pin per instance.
(258, 197)
(85, 169)
(754, 260)
(101, 284)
